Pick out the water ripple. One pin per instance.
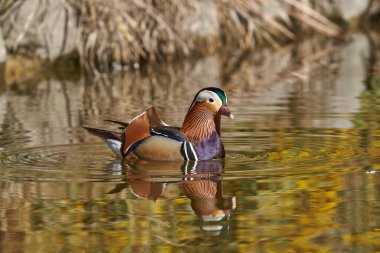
(64, 162)
(287, 149)
(247, 153)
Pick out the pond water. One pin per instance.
(302, 172)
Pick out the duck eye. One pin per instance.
(211, 100)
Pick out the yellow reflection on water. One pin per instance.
(190, 206)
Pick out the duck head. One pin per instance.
(214, 99)
(203, 117)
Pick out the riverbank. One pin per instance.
(107, 36)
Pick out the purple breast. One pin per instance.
(211, 148)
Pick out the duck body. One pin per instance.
(159, 148)
(147, 137)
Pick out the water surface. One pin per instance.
(302, 172)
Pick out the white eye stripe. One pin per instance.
(206, 95)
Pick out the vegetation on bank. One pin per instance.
(110, 34)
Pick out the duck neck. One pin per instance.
(199, 124)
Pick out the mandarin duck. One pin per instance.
(149, 138)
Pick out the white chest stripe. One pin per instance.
(193, 151)
(189, 151)
(185, 150)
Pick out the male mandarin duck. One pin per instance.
(149, 138)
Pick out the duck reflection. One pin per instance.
(203, 186)
(201, 181)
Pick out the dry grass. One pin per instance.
(7, 7)
(121, 32)
(114, 33)
(249, 23)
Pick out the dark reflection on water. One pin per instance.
(201, 182)
(302, 171)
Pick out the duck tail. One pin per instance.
(111, 138)
(122, 125)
